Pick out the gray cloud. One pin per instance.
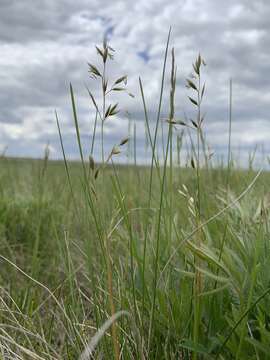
(45, 45)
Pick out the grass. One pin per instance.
(100, 260)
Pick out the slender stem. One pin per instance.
(230, 135)
(127, 220)
(198, 149)
(135, 144)
(162, 195)
(154, 159)
(94, 134)
(197, 280)
(103, 80)
(227, 189)
(158, 115)
(158, 243)
(112, 306)
(162, 140)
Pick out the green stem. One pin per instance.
(197, 280)
(103, 79)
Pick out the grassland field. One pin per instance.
(51, 236)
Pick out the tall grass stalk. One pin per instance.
(135, 144)
(162, 195)
(94, 134)
(158, 117)
(103, 86)
(154, 160)
(198, 282)
(228, 171)
(99, 227)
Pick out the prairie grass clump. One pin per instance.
(101, 260)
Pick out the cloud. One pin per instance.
(46, 45)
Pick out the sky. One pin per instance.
(45, 45)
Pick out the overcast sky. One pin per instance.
(46, 44)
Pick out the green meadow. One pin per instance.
(108, 261)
